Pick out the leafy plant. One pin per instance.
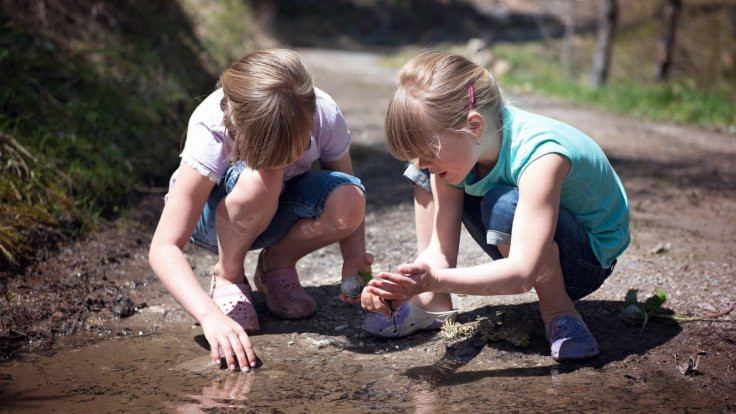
(635, 312)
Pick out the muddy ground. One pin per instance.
(681, 184)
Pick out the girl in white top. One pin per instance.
(245, 182)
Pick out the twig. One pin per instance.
(710, 316)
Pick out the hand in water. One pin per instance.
(228, 339)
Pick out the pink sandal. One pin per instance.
(285, 297)
(236, 301)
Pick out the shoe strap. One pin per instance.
(233, 289)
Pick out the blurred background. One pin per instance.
(96, 94)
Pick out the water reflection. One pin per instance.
(228, 391)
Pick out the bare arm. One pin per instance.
(448, 210)
(534, 225)
(441, 253)
(177, 223)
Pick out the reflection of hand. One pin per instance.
(350, 270)
(224, 392)
(223, 332)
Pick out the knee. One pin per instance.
(254, 205)
(345, 207)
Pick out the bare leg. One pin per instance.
(343, 214)
(423, 218)
(550, 286)
(241, 216)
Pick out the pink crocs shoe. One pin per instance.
(285, 297)
(236, 301)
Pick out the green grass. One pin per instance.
(91, 112)
(681, 100)
(535, 68)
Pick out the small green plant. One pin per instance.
(635, 312)
(365, 276)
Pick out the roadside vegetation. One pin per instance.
(700, 91)
(690, 98)
(93, 108)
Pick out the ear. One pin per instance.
(476, 124)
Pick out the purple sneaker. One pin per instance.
(407, 320)
(570, 339)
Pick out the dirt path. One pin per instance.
(681, 184)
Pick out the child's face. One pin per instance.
(453, 156)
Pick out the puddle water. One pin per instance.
(171, 373)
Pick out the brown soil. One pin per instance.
(681, 184)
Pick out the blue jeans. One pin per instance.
(489, 220)
(302, 197)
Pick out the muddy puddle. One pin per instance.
(167, 372)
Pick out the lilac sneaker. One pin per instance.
(570, 339)
(407, 320)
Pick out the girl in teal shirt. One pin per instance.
(536, 194)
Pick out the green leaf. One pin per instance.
(654, 302)
(365, 276)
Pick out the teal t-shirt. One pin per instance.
(592, 191)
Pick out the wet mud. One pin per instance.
(303, 373)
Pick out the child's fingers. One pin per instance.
(214, 346)
(379, 306)
(412, 268)
(384, 294)
(228, 350)
(237, 344)
(389, 286)
(395, 279)
(250, 354)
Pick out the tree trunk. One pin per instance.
(666, 47)
(604, 46)
(567, 46)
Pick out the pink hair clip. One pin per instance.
(471, 96)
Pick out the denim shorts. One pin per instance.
(302, 197)
(489, 220)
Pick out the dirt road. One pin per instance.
(681, 184)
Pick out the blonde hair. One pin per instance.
(268, 107)
(434, 94)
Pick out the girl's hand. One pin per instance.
(222, 331)
(374, 303)
(351, 269)
(412, 279)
